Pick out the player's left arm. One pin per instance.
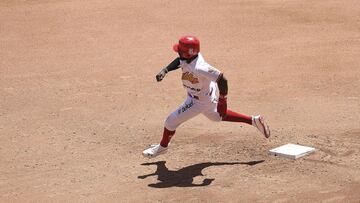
(175, 64)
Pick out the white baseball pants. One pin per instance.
(191, 108)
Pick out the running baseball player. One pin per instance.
(207, 90)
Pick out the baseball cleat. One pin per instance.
(154, 151)
(259, 123)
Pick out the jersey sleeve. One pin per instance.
(175, 64)
(209, 72)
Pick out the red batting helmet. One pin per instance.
(187, 47)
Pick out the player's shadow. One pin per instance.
(184, 177)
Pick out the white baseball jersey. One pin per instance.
(199, 79)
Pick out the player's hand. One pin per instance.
(161, 75)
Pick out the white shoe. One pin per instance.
(259, 123)
(154, 151)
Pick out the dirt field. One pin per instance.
(79, 100)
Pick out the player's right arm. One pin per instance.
(175, 64)
(223, 89)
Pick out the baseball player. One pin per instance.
(207, 90)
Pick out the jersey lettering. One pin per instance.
(185, 107)
(191, 88)
(190, 77)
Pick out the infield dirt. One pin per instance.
(79, 101)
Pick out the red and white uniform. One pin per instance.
(201, 83)
(199, 79)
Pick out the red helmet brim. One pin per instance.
(176, 47)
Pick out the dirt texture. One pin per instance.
(79, 101)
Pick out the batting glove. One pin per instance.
(161, 74)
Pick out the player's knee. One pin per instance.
(214, 117)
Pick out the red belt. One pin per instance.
(193, 96)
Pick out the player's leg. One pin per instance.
(184, 112)
(256, 121)
(211, 110)
(231, 116)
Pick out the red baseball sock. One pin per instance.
(166, 137)
(236, 117)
